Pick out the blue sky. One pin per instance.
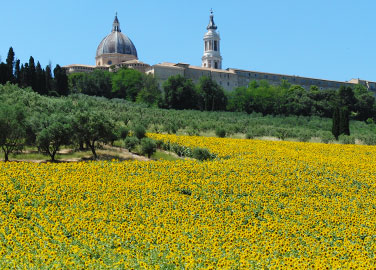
(331, 39)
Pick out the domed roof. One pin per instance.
(116, 42)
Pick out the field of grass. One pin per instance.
(259, 204)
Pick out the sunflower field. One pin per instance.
(259, 204)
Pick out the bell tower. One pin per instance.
(212, 50)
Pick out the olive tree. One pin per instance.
(92, 127)
(56, 131)
(12, 129)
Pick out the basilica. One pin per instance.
(117, 50)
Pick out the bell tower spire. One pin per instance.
(212, 54)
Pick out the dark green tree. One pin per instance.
(150, 92)
(148, 146)
(346, 97)
(61, 81)
(336, 123)
(10, 64)
(179, 93)
(344, 121)
(127, 83)
(48, 79)
(4, 77)
(96, 83)
(211, 96)
(17, 71)
(31, 74)
(40, 78)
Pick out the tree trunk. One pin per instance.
(92, 147)
(52, 155)
(81, 143)
(6, 158)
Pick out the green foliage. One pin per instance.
(346, 139)
(282, 133)
(368, 139)
(179, 93)
(201, 154)
(12, 128)
(131, 142)
(96, 83)
(123, 132)
(56, 132)
(326, 136)
(150, 93)
(61, 80)
(170, 128)
(127, 83)
(346, 97)
(211, 96)
(92, 127)
(250, 134)
(148, 146)
(220, 132)
(304, 136)
(344, 121)
(139, 131)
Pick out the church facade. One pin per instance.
(117, 50)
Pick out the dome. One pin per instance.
(116, 42)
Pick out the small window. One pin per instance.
(228, 83)
(109, 62)
(215, 65)
(215, 46)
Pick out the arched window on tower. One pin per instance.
(215, 64)
(215, 46)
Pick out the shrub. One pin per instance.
(170, 128)
(260, 131)
(139, 132)
(123, 132)
(220, 132)
(304, 136)
(282, 133)
(250, 134)
(148, 146)
(368, 140)
(201, 154)
(346, 139)
(326, 137)
(131, 142)
(192, 131)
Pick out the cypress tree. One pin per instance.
(23, 80)
(3, 73)
(344, 123)
(32, 74)
(48, 79)
(40, 79)
(17, 72)
(61, 80)
(10, 64)
(336, 121)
